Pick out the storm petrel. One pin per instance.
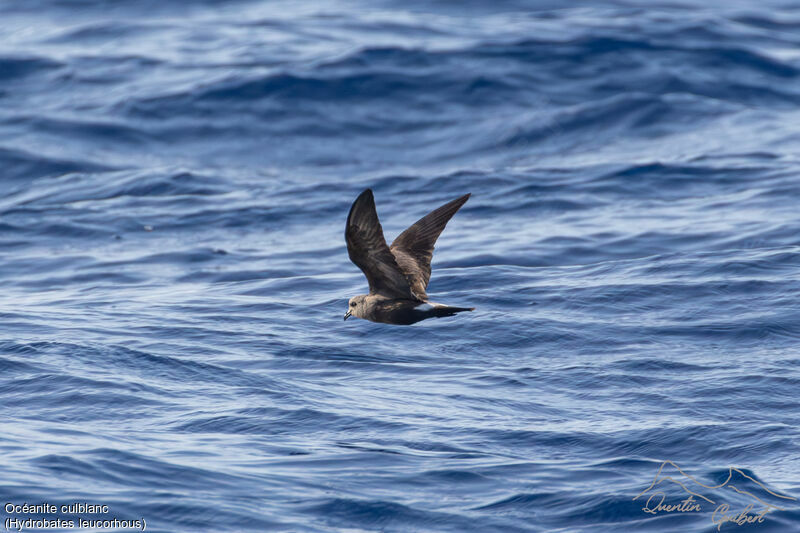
(398, 274)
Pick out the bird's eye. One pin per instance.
(352, 304)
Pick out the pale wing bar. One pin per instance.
(414, 247)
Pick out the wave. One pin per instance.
(176, 183)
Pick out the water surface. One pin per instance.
(176, 178)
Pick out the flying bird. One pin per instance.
(398, 274)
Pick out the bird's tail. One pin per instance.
(446, 310)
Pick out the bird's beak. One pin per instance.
(347, 315)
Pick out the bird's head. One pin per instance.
(356, 306)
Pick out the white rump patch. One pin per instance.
(424, 307)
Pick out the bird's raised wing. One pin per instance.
(413, 249)
(368, 250)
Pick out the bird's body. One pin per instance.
(378, 308)
(398, 275)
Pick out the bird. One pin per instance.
(398, 275)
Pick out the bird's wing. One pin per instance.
(368, 250)
(413, 248)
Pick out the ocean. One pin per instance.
(175, 182)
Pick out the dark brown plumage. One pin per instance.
(398, 275)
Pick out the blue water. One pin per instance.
(175, 180)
